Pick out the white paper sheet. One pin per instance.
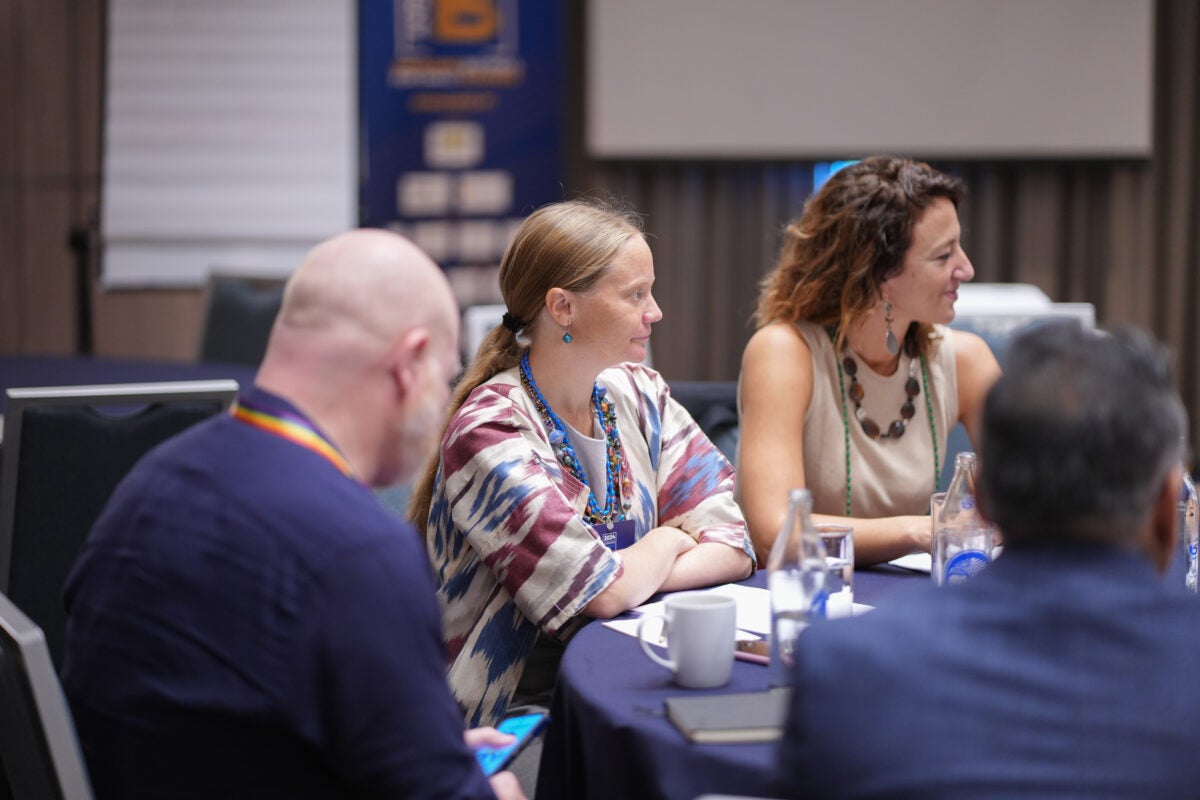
(753, 613)
(917, 562)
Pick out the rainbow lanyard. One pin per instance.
(292, 427)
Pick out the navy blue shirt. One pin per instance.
(247, 621)
(1061, 671)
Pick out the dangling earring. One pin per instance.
(567, 337)
(893, 346)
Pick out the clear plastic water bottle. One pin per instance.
(962, 540)
(1189, 527)
(796, 582)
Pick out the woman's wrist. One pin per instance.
(673, 538)
(920, 534)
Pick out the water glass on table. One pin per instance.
(937, 561)
(839, 563)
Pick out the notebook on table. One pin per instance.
(731, 718)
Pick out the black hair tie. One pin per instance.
(511, 322)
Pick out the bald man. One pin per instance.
(246, 620)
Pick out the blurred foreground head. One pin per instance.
(1081, 436)
(366, 344)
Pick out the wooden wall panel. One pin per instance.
(9, 88)
(48, 282)
(45, 64)
(11, 246)
(51, 60)
(152, 323)
(88, 39)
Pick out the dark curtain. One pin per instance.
(1120, 235)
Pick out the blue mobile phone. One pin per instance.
(524, 727)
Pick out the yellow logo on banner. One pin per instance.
(465, 21)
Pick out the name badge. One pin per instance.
(616, 535)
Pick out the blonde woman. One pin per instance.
(569, 485)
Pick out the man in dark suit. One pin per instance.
(1069, 667)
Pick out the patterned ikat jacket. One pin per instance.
(511, 551)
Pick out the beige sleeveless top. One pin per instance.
(889, 477)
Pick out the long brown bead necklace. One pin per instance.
(907, 411)
(912, 388)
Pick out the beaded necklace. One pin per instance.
(911, 389)
(846, 416)
(616, 498)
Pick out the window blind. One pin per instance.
(229, 139)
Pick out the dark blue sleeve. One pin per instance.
(385, 716)
(791, 778)
(802, 767)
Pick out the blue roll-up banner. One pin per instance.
(461, 106)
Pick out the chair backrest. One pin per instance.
(238, 318)
(38, 746)
(713, 405)
(64, 452)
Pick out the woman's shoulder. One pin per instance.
(963, 341)
(974, 361)
(962, 348)
(778, 368)
(501, 386)
(497, 398)
(780, 343)
(632, 378)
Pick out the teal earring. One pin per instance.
(567, 337)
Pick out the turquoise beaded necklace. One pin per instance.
(618, 487)
(846, 417)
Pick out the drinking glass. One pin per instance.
(839, 569)
(937, 559)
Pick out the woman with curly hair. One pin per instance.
(852, 382)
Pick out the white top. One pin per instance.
(593, 454)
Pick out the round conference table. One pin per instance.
(609, 736)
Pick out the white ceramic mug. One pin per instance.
(700, 629)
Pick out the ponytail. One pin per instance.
(499, 351)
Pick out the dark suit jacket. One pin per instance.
(1060, 671)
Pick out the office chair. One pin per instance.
(713, 405)
(63, 456)
(238, 317)
(38, 746)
